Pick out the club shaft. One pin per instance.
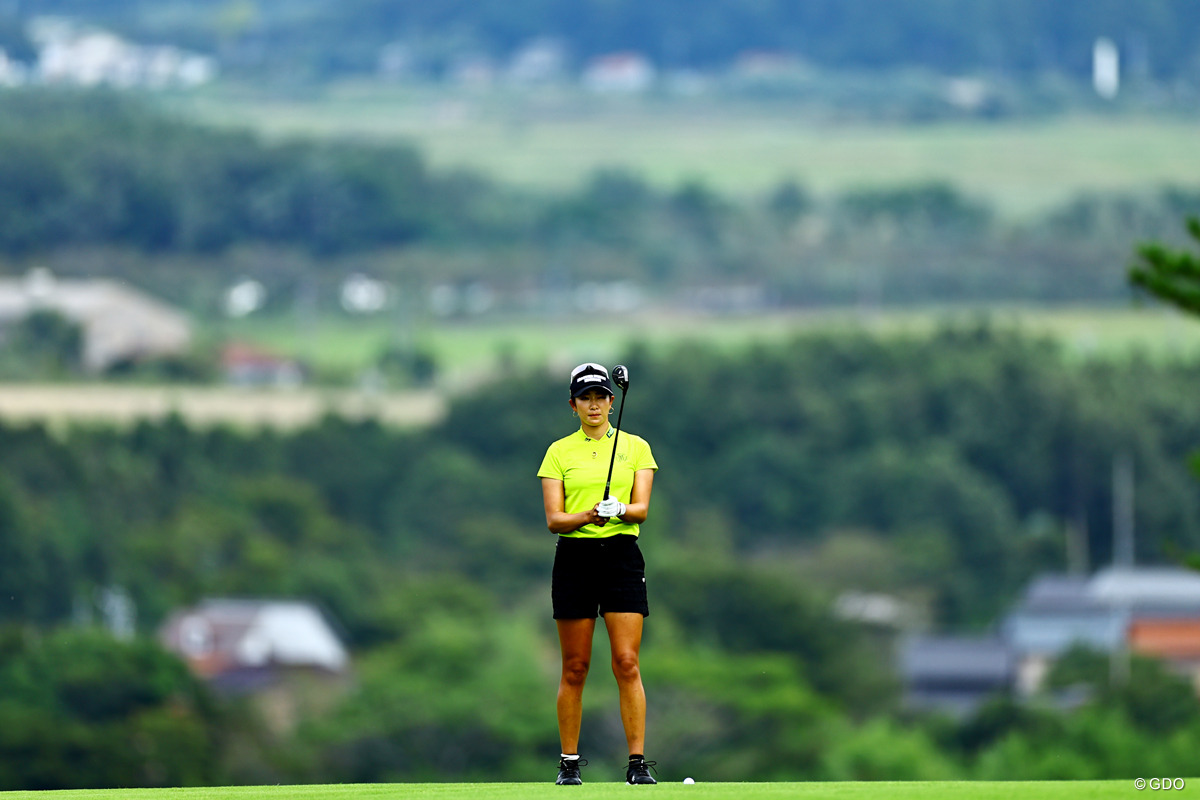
(613, 457)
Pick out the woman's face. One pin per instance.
(592, 406)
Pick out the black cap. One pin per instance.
(590, 376)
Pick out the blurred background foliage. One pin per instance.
(97, 182)
(958, 461)
(945, 469)
(81, 709)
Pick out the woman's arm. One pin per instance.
(638, 507)
(558, 520)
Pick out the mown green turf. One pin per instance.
(943, 790)
(554, 142)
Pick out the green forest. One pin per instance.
(945, 470)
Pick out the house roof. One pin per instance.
(1058, 592)
(1058, 611)
(221, 635)
(1146, 587)
(118, 321)
(957, 660)
(871, 608)
(1050, 632)
(1166, 638)
(954, 674)
(1136, 589)
(244, 354)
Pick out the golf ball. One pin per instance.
(688, 780)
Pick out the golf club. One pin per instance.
(620, 376)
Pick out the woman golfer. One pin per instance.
(598, 567)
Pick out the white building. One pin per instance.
(283, 654)
(619, 73)
(118, 322)
(218, 637)
(1154, 611)
(538, 61)
(72, 55)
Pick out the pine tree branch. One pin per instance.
(1169, 275)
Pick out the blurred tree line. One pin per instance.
(96, 183)
(322, 37)
(945, 471)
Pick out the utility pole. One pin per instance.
(1123, 556)
(1123, 512)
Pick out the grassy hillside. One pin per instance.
(1022, 167)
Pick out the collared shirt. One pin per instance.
(581, 463)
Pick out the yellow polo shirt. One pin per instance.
(581, 463)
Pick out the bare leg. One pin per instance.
(575, 640)
(625, 636)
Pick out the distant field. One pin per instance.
(882, 790)
(1022, 167)
(120, 404)
(463, 349)
(468, 354)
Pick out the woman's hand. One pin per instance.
(594, 517)
(612, 507)
(558, 520)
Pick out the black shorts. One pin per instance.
(598, 576)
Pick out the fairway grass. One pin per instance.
(1022, 167)
(849, 790)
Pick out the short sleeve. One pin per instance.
(551, 465)
(642, 457)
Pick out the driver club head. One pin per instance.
(620, 376)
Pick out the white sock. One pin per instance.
(570, 758)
